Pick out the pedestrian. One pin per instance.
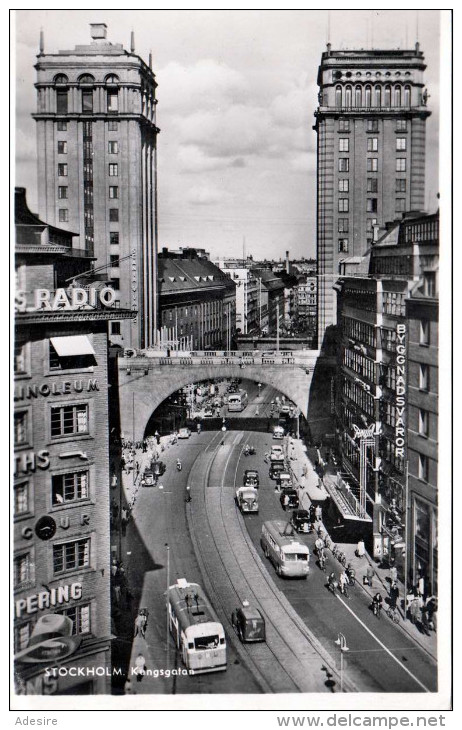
(140, 625)
(122, 463)
(305, 470)
(128, 687)
(369, 576)
(114, 568)
(318, 513)
(124, 520)
(394, 595)
(114, 481)
(360, 549)
(140, 667)
(393, 571)
(157, 437)
(117, 593)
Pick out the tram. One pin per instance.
(237, 401)
(195, 629)
(289, 556)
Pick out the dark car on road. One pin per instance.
(300, 520)
(248, 623)
(158, 468)
(289, 498)
(251, 478)
(276, 467)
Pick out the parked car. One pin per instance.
(289, 498)
(208, 413)
(285, 411)
(158, 468)
(284, 480)
(251, 478)
(184, 433)
(148, 479)
(277, 453)
(300, 520)
(275, 469)
(278, 432)
(248, 623)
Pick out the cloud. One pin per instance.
(238, 162)
(303, 162)
(206, 196)
(192, 159)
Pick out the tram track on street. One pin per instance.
(290, 648)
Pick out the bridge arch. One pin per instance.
(144, 383)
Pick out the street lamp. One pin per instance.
(341, 642)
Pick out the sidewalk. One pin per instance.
(381, 580)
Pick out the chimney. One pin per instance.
(42, 42)
(287, 262)
(376, 233)
(132, 42)
(328, 46)
(98, 31)
(150, 60)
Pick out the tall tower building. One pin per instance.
(97, 168)
(370, 124)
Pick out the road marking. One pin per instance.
(383, 645)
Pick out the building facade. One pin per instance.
(370, 126)
(61, 463)
(249, 299)
(97, 167)
(197, 303)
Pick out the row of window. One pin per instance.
(359, 331)
(113, 169)
(372, 164)
(396, 96)
(359, 364)
(372, 144)
(359, 396)
(68, 420)
(67, 556)
(113, 148)
(86, 101)
(63, 213)
(65, 488)
(372, 125)
(112, 125)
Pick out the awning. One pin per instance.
(316, 494)
(71, 346)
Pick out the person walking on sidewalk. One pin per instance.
(140, 667)
(394, 595)
(393, 572)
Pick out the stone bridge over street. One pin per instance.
(148, 377)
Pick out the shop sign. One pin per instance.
(400, 401)
(64, 299)
(363, 433)
(48, 599)
(42, 684)
(52, 650)
(29, 461)
(66, 387)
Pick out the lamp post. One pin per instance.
(341, 642)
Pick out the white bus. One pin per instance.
(237, 401)
(195, 628)
(289, 556)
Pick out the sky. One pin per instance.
(237, 94)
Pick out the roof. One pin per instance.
(269, 280)
(30, 228)
(250, 612)
(178, 274)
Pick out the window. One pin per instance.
(21, 428)
(113, 169)
(407, 96)
(21, 499)
(429, 279)
(424, 383)
(62, 126)
(87, 101)
(370, 223)
(63, 215)
(401, 144)
(343, 185)
(423, 422)
(378, 96)
(71, 555)
(400, 205)
(371, 205)
(423, 467)
(115, 328)
(372, 164)
(398, 96)
(113, 192)
(61, 102)
(80, 617)
(115, 283)
(114, 215)
(424, 338)
(348, 96)
(372, 125)
(62, 169)
(372, 144)
(358, 96)
(343, 205)
(401, 125)
(343, 144)
(62, 192)
(400, 185)
(113, 148)
(22, 635)
(20, 358)
(387, 97)
(114, 260)
(113, 101)
(343, 225)
(338, 96)
(62, 148)
(112, 126)
(23, 570)
(69, 487)
(344, 125)
(372, 184)
(114, 237)
(400, 164)
(69, 420)
(343, 164)
(367, 96)
(343, 245)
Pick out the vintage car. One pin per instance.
(158, 468)
(184, 433)
(248, 623)
(278, 432)
(148, 479)
(277, 453)
(284, 480)
(276, 467)
(300, 520)
(247, 499)
(251, 478)
(289, 498)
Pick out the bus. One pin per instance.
(289, 556)
(195, 628)
(237, 401)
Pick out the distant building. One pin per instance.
(249, 300)
(383, 361)
(274, 287)
(370, 124)
(61, 459)
(197, 303)
(97, 167)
